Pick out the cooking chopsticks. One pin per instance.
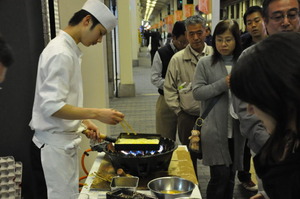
(108, 179)
(126, 127)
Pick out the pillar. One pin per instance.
(215, 13)
(235, 14)
(135, 32)
(183, 10)
(126, 86)
(175, 5)
(229, 11)
(241, 20)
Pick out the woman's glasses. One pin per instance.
(226, 40)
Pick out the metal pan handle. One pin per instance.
(102, 136)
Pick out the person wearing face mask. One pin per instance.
(6, 58)
(221, 142)
(58, 115)
(268, 79)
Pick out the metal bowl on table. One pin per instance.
(171, 187)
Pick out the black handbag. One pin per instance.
(195, 141)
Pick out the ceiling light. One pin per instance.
(149, 8)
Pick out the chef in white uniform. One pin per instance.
(58, 115)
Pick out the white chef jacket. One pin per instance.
(59, 82)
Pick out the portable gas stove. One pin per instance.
(139, 162)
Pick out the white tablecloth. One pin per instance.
(102, 194)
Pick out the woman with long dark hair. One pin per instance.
(268, 79)
(222, 144)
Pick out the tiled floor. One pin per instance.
(140, 113)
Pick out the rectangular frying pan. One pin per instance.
(137, 141)
(133, 141)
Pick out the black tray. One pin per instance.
(126, 194)
(142, 146)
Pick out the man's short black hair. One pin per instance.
(251, 10)
(6, 56)
(178, 29)
(78, 16)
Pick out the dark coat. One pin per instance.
(280, 180)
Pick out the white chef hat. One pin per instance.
(101, 12)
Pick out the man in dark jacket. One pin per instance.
(155, 43)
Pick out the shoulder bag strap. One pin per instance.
(212, 103)
(210, 106)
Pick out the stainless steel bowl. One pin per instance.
(170, 187)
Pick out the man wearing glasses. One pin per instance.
(279, 16)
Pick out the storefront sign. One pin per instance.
(204, 7)
(188, 10)
(178, 15)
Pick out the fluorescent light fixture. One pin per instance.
(149, 8)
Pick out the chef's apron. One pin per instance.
(59, 161)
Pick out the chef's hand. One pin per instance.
(110, 116)
(121, 172)
(92, 131)
(227, 79)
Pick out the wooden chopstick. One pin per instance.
(124, 127)
(127, 128)
(101, 177)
